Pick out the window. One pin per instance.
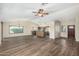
(16, 29)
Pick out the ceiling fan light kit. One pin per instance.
(41, 12)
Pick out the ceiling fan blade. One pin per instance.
(34, 12)
(45, 13)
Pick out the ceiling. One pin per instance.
(23, 11)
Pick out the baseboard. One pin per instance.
(16, 36)
(62, 38)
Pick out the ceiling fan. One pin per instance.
(41, 12)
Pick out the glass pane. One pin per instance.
(16, 29)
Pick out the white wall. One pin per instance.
(65, 23)
(51, 30)
(28, 27)
(57, 28)
(77, 29)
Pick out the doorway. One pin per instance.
(71, 32)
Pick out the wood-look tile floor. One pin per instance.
(31, 46)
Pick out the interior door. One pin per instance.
(71, 31)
